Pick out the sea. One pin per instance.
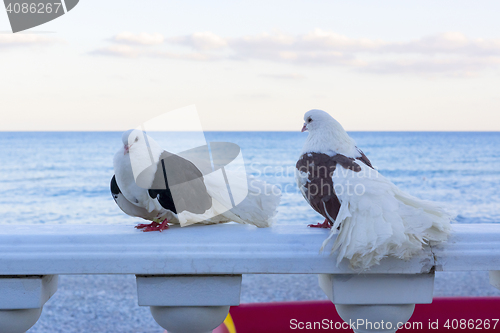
(63, 177)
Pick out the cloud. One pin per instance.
(129, 45)
(331, 48)
(196, 56)
(447, 43)
(284, 48)
(321, 40)
(278, 47)
(138, 39)
(17, 40)
(200, 41)
(464, 67)
(122, 51)
(272, 42)
(448, 53)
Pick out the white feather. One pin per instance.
(377, 219)
(258, 208)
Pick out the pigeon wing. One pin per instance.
(314, 177)
(179, 185)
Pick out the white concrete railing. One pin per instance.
(195, 272)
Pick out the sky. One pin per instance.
(386, 65)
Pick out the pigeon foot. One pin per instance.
(153, 226)
(327, 225)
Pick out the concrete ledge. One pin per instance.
(229, 249)
(471, 247)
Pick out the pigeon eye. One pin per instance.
(309, 120)
(136, 139)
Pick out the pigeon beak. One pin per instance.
(125, 149)
(304, 128)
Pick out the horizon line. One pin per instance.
(246, 131)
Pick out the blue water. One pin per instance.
(54, 177)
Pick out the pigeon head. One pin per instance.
(319, 120)
(135, 140)
(129, 138)
(326, 135)
(139, 155)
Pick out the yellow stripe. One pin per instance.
(229, 324)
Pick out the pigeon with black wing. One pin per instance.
(163, 187)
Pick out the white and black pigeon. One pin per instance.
(371, 217)
(167, 188)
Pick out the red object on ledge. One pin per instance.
(443, 315)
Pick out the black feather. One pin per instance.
(115, 190)
(164, 196)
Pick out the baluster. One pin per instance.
(377, 302)
(189, 303)
(22, 299)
